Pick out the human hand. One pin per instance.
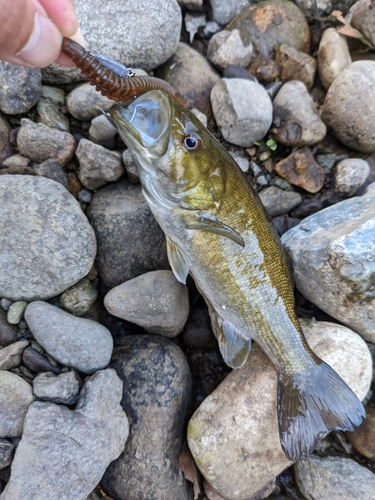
(31, 31)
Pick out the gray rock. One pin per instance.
(10, 356)
(242, 110)
(6, 453)
(49, 248)
(53, 170)
(311, 9)
(333, 56)
(201, 116)
(130, 241)
(98, 165)
(295, 65)
(102, 132)
(20, 88)
(60, 389)
(333, 258)
(39, 142)
(8, 333)
(223, 11)
(5, 304)
(347, 108)
(50, 114)
(15, 312)
(76, 342)
(363, 19)
(351, 175)
(79, 298)
(16, 396)
(130, 166)
(277, 201)
(334, 478)
(37, 362)
(6, 147)
(295, 117)
(241, 161)
(63, 453)
(226, 47)
(157, 391)
(155, 300)
(16, 161)
(194, 21)
(84, 102)
(191, 4)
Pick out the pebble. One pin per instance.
(363, 437)
(334, 478)
(277, 201)
(20, 88)
(333, 256)
(241, 161)
(265, 70)
(16, 396)
(295, 117)
(6, 453)
(242, 110)
(201, 116)
(51, 220)
(234, 436)
(351, 175)
(76, 342)
(49, 109)
(84, 102)
(37, 362)
(302, 170)
(311, 8)
(8, 333)
(306, 207)
(363, 19)
(60, 389)
(132, 247)
(346, 107)
(194, 21)
(6, 147)
(5, 304)
(16, 161)
(130, 166)
(102, 132)
(283, 223)
(157, 392)
(79, 298)
(226, 47)
(98, 165)
(224, 12)
(15, 312)
(10, 356)
(39, 143)
(191, 4)
(295, 65)
(156, 301)
(53, 170)
(233, 71)
(333, 56)
(63, 453)
(273, 88)
(282, 184)
(198, 333)
(85, 196)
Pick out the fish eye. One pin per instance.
(192, 142)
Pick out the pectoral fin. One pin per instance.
(178, 260)
(213, 225)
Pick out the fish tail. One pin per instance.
(312, 404)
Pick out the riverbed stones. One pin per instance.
(6, 453)
(363, 19)
(60, 389)
(47, 249)
(6, 147)
(20, 88)
(333, 258)
(234, 436)
(295, 65)
(226, 47)
(16, 396)
(350, 175)
(302, 170)
(333, 56)
(84, 102)
(157, 391)
(79, 298)
(8, 332)
(63, 453)
(277, 201)
(76, 342)
(224, 12)
(103, 132)
(10, 356)
(346, 107)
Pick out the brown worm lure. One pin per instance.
(106, 81)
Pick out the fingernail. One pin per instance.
(78, 37)
(44, 43)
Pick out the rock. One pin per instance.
(37, 362)
(53, 221)
(301, 169)
(49, 109)
(311, 8)
(64, 453)
(333, 478)
(363, 19)
(79, 298)
(98, 165)
(277, 201)
(130, 166)
(306, 208)
(295, 65)
(346, 107)
(283, 223)
(233, 71)
(6, 147)
(39, 143)
(130, 241)
(332, 254)
(351, 175)
(363, 437)
(192, 76)
(157, 391)
(20, 88)
(156, 301)
(53, 170)
(8, 332)
(10, 356)
(224, 11)
(60, 389)
(103, 132)
(191, 4)
(333, 56)
(85, 196)
(271, 23)
(226, 47)
(6, 453)
(76, 342)
(241, 161)
(16, 161)
(16, 396)
(5, 304)
(264, 69)
(15, 312)
(17, 171)
(242, 110)
(193, 22)
(295, 117)
(234, 436)
(84, 102)
(198, 333)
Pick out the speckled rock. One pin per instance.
(295, 65)
(350, 175)
(234, 436)
(224, 12)
(6, 147)
(277, 201)
(53, 170)
(63, 453)
(363, 19)
(77, 342)
(8, 333)
(295, 117)
(333, 257)
(84, 102)
(334, 478)
(157, 390)
(6, 453)
(16, 161)
(20, 88)
(226, 47)
(10, 356)
(49, 109)
(79, 298)
(102, 132)
(302, 170)
(130, 241)
(15, 312)
(242, 110)
(39, 142)
(16, 396)
(51, 220)
(60, 389)
(333, 56)
(347, 110)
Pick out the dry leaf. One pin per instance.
(190, 470)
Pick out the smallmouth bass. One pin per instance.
(218, 231)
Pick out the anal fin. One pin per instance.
(178, 260)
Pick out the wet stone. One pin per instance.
(226, 47)
(20, 88)
(79, 298)
(8, 332)
(16, 396)
(53, 170)
(60, 389)
(306, 207)
(10, 356)
(6, 453)
(351, 175)
(363, 437)
(15, 312)
(37, 362)
(333, 56)
(277, 201)
(295, 65)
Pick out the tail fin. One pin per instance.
(312, 405)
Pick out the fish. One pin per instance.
(218, 231)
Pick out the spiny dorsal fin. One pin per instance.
(213, 225)
(178, 260)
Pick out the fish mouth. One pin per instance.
(145, 121)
